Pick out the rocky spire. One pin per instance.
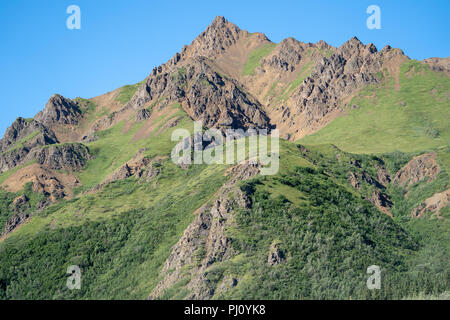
(351, 47)
(59, 110)
(218, 36)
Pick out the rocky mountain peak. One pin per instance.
(351, 47)
(386, 48)
(218, 36)
(371, 48)
(59, 110)
(323, 45)
(219, 22)
(354, 40)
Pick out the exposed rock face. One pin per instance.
(70, 156)
(217, 37)
(214, 41)
(205, 242)
(23, 139)
(48, 185)
(418, 169)
(286, 56)
(353, 179)
(204, 91)
(349, 68)
(205, 94)
(52, 184)
(20, 138)
(331, 75)
(381, 201)
(368, 178)
(21, 129)
(59, 110)
(140, 167)
(433, 204)
(383, 176)
(19, 205)
(143, 168)
(220, 102)
(13, 159)
(16, 220)
(142, 114)
(276, 255)
(439, 64)
(28, 140)
(19, 202)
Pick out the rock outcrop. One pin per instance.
(439, 64)
(433, 204)
(140, 167)
(276, 255)
(377, 197)
(52, 184)
(383, 176)
(16, 157)
(29, 132)
(195, 77)
(423, 167)
(59, 110)
(286, 57)
(16, 220)
(205, 94)
(217, 37)
(333, 79)
(205, 242)
(142, 115)
(381, 201)
(68, 156)
(20, 138)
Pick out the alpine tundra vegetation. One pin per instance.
(363, 179)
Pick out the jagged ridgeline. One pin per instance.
(363, 179)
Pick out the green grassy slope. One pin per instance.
(328, 231)
(255, 57)
(414, 118)
(127, 228)
(330, 235)
(116, 146)
(121, 236)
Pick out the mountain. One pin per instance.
(363, 179)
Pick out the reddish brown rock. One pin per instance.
(423, 167)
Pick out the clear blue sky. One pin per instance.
(121, 41)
